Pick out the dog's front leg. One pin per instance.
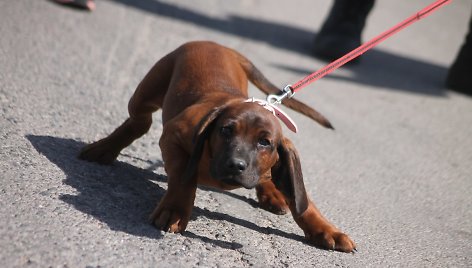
(173, 212)
(288, 178)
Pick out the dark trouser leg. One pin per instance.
(342, 29)
(459, 77)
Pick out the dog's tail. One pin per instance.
(261, 82)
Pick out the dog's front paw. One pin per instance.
(103, 152)
(273, 203)
(271, 199)
(170, 219)
(333, 240)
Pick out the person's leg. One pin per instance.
(85, 4)
(341, 31)
(459, 77)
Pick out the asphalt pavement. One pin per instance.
(396, 174)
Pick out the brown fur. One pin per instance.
(212, 137)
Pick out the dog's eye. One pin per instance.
(264, 142)
(226, 131)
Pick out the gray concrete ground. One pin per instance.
(395, 175)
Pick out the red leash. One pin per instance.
(289, 90)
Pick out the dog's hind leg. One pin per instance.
(147, 99)
(106, 150)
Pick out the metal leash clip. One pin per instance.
(277, 99)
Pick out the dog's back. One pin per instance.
(202, 71)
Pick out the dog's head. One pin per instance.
(246, 146)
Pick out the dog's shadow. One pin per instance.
(122, 196)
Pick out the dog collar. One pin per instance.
(277, 112)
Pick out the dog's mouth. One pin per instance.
(245, 179)
(239, 182)
(232, 182)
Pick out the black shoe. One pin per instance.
(341, 31)
(82, 4)
(459, 77)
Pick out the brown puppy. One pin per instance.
(213, 137)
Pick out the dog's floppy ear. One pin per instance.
(288, 178)
(202, 133)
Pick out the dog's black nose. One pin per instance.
(236, 165)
